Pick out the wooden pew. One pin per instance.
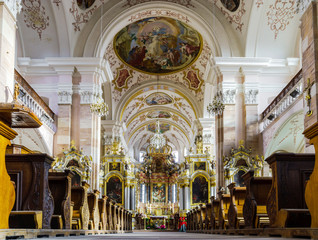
(109, 214)
(235, 212)
(286, 205)
(94, 216)
(254, 210)
(30, 174)
(215, 211)
(60, 185)
(223, 209)
(102, 212)
(208, 216)
(202, 217)
(196, 219)
(80, 217)
(114, 217)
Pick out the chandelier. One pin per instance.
(217, 106)
(158, 140)
(100, 108)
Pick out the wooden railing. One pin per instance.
(28, 97)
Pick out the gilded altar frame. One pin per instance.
(122, 186)
(191, 190)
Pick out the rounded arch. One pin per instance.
(289, 137)
(91, 42)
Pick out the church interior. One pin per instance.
(122, 116)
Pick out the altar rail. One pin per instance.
(28, 97)
(292, 92)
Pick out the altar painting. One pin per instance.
(114, 189)
(158, 45)
(114, 166)
(199, 166)
(200, 190)
(158, 193)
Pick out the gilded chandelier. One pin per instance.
(158, 140)
(100, 107)
(217, 106)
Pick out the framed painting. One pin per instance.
(199, 190)
(114, 189)
(159, 193)
(158, 45)
(114, 166)
(158, 98)
(199, 166)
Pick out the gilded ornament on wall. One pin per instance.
(192, 76)
(121, 80)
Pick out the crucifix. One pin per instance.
(308, 96)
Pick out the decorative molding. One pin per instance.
(302, 6)
(35, 16)
(87, 97)
(279, 15)
(251, 96)
(207, 139)
(64, 97)
(236, 18)
(13, 5)
(259, 3)
(80, 16)
(122, 77)
(185, 3)
(156, 13)
(229, 96)
(193, 78)
(57, 2)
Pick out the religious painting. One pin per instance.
(164, 127)
(231, 5)
(238, 179)
(192, 76)
(158, 45)
(158, 114)
(114, 166)
(158, 193)
(158, 98)
(200, 190)
(114, 189)
(76, 180)
(121, 80)
(199, 166)
(84, 4)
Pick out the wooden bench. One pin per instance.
(215, 209)
(94, 216)
(30, 174)
(202, 216)
(196, 219)
(208, 216)
(254, 210)
(80, 217)
(235, 212)
(223, 209)
(26, 219)
(60, 186)
(109, 214)
(102, 212)
(114, 216)
(286, 206)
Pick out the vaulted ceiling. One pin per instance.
(181, 39)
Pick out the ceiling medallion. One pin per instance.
(158, 45)
(121, 80)
(85, 4)
(192, 76)
(231, 5)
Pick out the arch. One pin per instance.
(289, 137)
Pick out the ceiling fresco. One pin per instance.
(158, 45)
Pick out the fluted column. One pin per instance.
(240, 109)
(186, 197)
(127, 197)
(181, 197)
(76, 108)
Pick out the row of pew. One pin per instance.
(275, 202)
(48, 200)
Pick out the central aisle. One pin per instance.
(163, 236)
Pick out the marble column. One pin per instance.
(127, 197)
(76, 109)
(181, 197)
(133, 198)
(240, 109)
(186, 195)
